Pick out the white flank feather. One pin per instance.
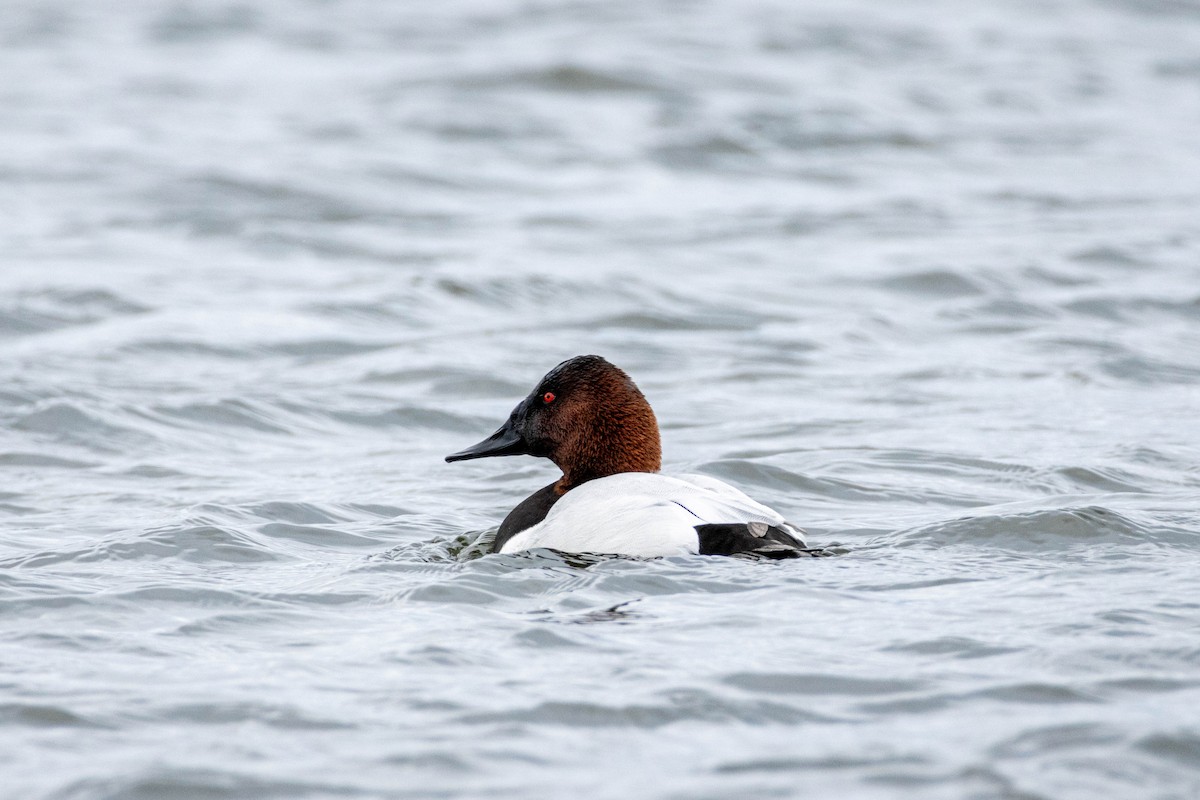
(642, 514)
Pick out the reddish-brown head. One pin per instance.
(586, 416)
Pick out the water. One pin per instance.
(926, 278)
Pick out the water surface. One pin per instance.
(925, 278)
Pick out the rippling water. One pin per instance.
(926, 278)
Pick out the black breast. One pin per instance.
(529, 512)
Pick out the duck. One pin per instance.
(589, 418)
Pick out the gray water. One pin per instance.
(923, 276)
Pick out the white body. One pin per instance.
(642, 514)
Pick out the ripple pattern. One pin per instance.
(926, 278)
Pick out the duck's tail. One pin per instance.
(752, 539)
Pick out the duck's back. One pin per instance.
(647, 514)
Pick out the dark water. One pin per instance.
(926, 278)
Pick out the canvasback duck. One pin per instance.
(589, 418)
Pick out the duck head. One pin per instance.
(586, 416)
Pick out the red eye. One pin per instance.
(548, 397)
